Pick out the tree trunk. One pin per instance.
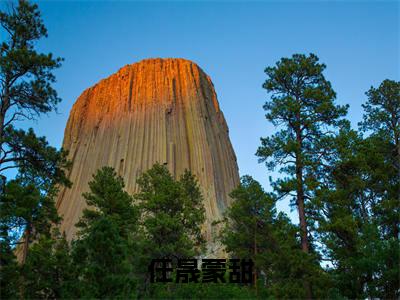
(2, 117)
(300, 204)
(1, 127)
(302, 217)
(300, 194)
(5, 103)
(255, 253)
(26, 244)
(397, 143)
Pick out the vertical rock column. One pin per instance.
(157, 110)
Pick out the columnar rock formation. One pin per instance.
(157, 110)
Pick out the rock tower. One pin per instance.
(156, 110)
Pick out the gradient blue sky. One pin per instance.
(231, 41)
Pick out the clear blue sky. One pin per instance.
(233, 42)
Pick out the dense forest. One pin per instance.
(343, 182)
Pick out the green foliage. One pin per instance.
(48, 272)
(26, 92)
(27, 202)
(9, 275)
(115, 243)
(249, 221)
(172, 213)
(107, 195)
(302, 108)
(24, 208)
(36, 160)
(26, 74)
(199, 291)
(103, 252)
(382, 110)
(253, 229)
(346, 187)
(359, 208)
(302, 105)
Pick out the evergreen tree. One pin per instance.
(382, 119)
(9, 269)
(104, 251)
(48, 271)
(359, 208)
(172, 214)
(26, 86)
(37, 162)
(200, 291)
(253, 229)
(24, 209)
(249, 222)
(344, 221)
(302, 107)
(26, 92)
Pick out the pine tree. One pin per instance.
(24, 209)
(359, 208)
(26, 92)
(36, 161)
(48, 271)
(9, 275)
(249, 222)
(172, 213)
(302, 107)
(382, 119)
(253, 229)
(26, 86)
(343, 217)
(104, 253)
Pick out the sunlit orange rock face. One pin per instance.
(157, 110)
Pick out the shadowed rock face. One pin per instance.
(157, 110)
